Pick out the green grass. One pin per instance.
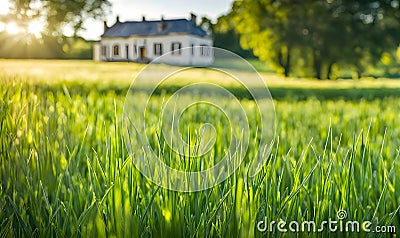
(84, 76)
(65, 171)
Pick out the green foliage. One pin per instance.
(21, 47)
(225, 36)
(46, 47)
(57, 13)
(64, 169)
(318, 34)
(77, 48)
(55, 16)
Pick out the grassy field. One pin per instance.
(83, 76)
(65, 170)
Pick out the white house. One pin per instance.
(143, 41)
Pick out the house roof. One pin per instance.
(151, 28)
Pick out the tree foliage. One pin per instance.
(46, 47)
(58, 14)
(225, 36)
(55, 16)
(316, 35)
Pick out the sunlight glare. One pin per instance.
(12, 28)
(35, 28)
(5, 7)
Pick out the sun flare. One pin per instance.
(12, 28)
(36, 28)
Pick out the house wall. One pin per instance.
(109, 43)
(135, 43)
(197, 58)
(96, 52)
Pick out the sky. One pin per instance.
(154, 9)
(135, 10)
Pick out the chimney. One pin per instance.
(105, 26)
(162, 25)
(193, 18)
(118, 19)
(143, 18)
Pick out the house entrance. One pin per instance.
(143, 53)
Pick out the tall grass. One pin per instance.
(65, 170)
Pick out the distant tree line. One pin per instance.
(312, 37)
(45, 47)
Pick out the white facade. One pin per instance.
(96, 52)
(181, 49)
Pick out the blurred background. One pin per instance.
(323, 39)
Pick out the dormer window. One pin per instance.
(176, 48)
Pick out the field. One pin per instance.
(65, 170)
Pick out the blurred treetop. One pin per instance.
(57, 14)
(40, 25)
(316, 35)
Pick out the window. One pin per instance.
(192, 46)
(116, 50)
(104, 51)
(127, 51)
(205, 50)
(158, 50)
(176, 48)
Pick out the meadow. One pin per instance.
(65, 170)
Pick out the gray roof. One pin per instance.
(151, 28)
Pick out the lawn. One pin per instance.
(65, 170)
(86, 75)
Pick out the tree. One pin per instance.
(265, 27)
(327, 32)
(57, 13)
(225, 36)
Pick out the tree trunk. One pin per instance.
(360, 71)
(330, 67)
(317, 69)
(287, 66)
(284, 62)
(318, 72)
(317, 65)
